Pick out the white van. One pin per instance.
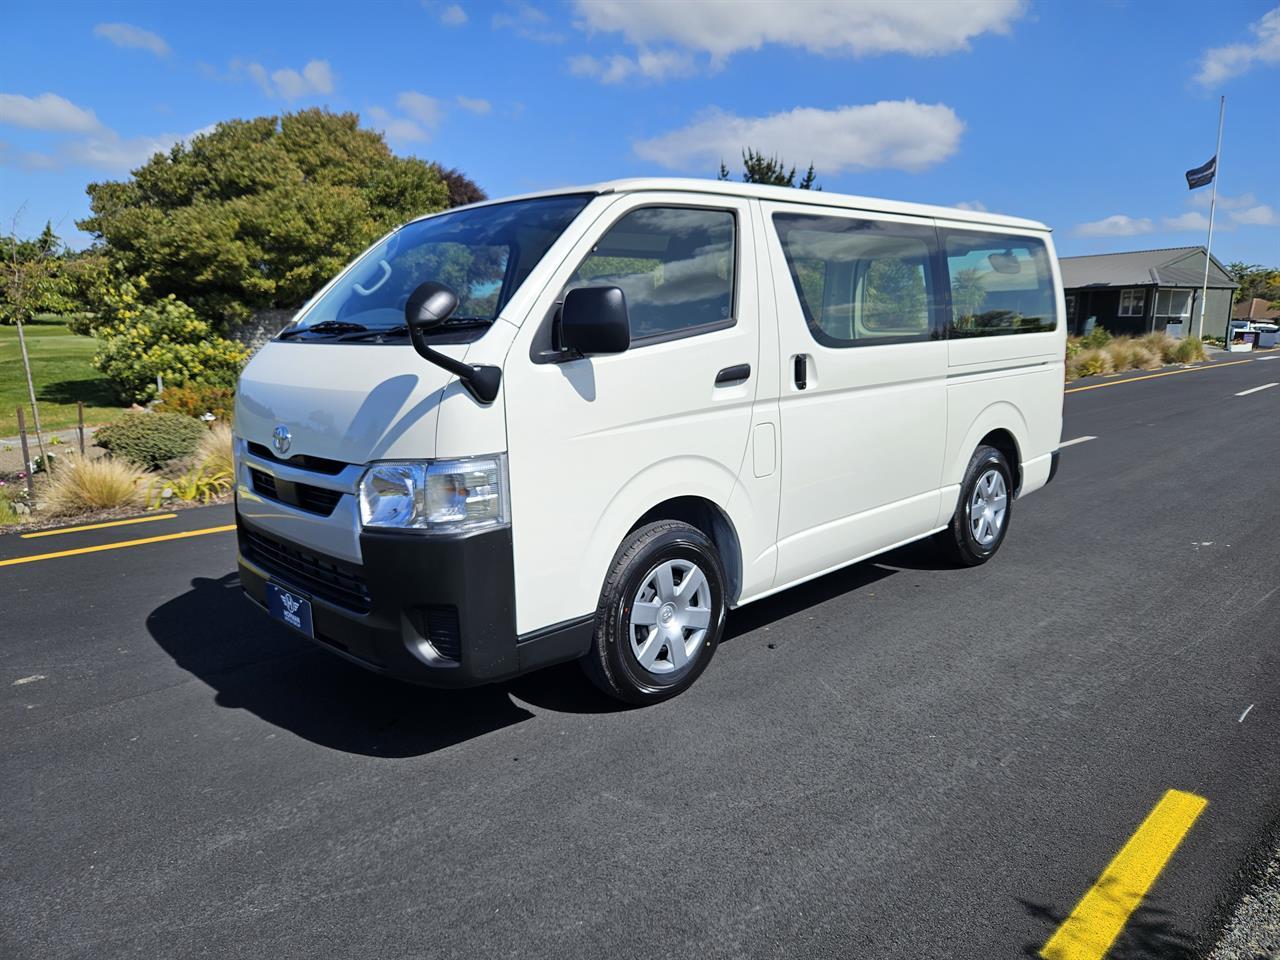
(587, 423)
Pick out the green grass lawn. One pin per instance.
(63, 374)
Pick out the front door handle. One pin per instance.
(734, 374)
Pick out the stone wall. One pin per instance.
(261, 327)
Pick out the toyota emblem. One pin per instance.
(281, 438)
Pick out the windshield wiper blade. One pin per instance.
(400, 331)
(325, 326)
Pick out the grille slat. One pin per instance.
(328, 578)
(301, 461)
(319, 500)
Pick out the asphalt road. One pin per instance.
(898, 760)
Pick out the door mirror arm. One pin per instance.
(426, 310)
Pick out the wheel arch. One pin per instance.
(1000, 425)
(712, 520)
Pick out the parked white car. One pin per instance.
(587, 423)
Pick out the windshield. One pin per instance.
(483, 254)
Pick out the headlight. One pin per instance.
(444, 496)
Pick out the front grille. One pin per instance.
(328, 578)
(304, 496)
(301, 461)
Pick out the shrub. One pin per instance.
(143, 341)
(201, 481)
(1162, 345)
(150, 439)
(1144, 358)
(1097, 337)
(1090, 363)
(214, 450)
(1188, 350)
(197, 399)
(79, 484)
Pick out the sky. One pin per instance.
(1081, 114)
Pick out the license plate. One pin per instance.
(292, 608)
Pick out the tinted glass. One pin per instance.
(674, 264)
(860, 281)
(483, 254)
(999, 284)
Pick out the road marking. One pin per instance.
(1266, 358)
(1167, 373)
(96, 526)
(1265, 386)
(1245, 714)
(1069, 443)
(117, 546)
(31, 679)
(1087, 934)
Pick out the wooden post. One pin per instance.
(80, 423)
(26, 456)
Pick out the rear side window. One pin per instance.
(999, 284)
(675, 265)
(861, 282)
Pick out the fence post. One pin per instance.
(80, 423)
(26, 456)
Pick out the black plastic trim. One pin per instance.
(1053, 466)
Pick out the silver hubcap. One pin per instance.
(987, 507)
(670, 616)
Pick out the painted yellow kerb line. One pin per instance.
(97, 526)
(1153, 376)
(117, 546)
(1087, 934)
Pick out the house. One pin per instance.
(1147, 290)
(1255, 309)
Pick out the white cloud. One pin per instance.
(649, 65)
(288, 84)
(892, 134)
(1201, 199)
(453, 15)
(1191, 220)
(527, 21)
(724, 27)
(422, 108)
(474, 104)
(48, 111)
(127, 35)
(1222, 63)
(1260, 216)
(110, 151)
(396, 128)
(977, 205)
(1118, 225)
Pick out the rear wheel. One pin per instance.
(981, 520)
(660, 615)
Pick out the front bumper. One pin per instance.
(431, 610)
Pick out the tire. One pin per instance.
(641, 664)
(972, 538)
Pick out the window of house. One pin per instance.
(1071, 306)
(1173, 303)
(1000, 284)
(1132, 302)
(674, 264)
(860, 282)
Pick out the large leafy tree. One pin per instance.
(258, 213)
(1255, 281)
(757, 168)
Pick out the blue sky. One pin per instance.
(1081, 114)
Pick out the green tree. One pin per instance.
(258, 213)
(1255, 281)
(757, 168)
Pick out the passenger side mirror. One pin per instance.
(430, 305)
(594, 321)
(427, 308)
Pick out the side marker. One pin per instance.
(1100, 916)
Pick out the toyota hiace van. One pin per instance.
(585, 424)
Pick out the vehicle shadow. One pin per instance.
(1149, 934)
(253, 664)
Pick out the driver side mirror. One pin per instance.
(594, 321)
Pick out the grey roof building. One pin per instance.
(1147, 290)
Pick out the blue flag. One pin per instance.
(1202, 176)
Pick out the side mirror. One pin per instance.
(427, 308)
(430, 305)
(594, 320)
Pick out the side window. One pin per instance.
(675, 265)
(860, 282)
(999, 284)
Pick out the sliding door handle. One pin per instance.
(734, 374)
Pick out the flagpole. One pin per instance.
(1213, 203)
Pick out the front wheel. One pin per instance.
(981, 520)
(660, 615)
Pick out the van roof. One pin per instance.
(820, 198)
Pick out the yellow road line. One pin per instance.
(96, 526)
(1152, 376)
(117, 546)
(1087, 934)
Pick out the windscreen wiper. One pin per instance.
(453, 323)
(325, 326)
